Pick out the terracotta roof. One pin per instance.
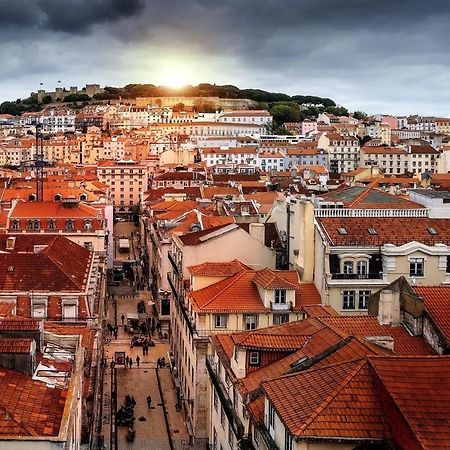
(336, 401)
(236, 293)
(15, 345)
(220, 269)
(437, 305)
(212, 191)
(365, 326)
(19, 324)
(51, 210)
(312, 311)
(273, 279)
(30, 408)
(61, 266)
(420, 390)
(389, 230)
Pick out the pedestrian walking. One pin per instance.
(131, 362)
(149, 401)
(127, 361)
(143, 350)
(138, 360)
(123, 318)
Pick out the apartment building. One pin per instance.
(280, 387)
(343, 151)
(83, 224)
(50, 277)
(306, 153)
(126, 180)
(258, 117)
(225, 297)
(55, 121)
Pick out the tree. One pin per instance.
(285, 112)
(360, 115)
(178, 107)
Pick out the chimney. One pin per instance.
(257, 230)
(389, 308)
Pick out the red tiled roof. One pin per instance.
(236, 293)
(61, 266)
(365, 326)
(19, 324)
(312, 311)
(389, 230)
(221, 269)
(31, 408)
(198, 237)
(336, 401)
(437, 305)
(271, 279)
(15, 345)
(420, 389)
(51, 210)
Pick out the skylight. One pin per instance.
(372, 231)
(432, 231)
(342, 231)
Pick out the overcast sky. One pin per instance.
(383, 56)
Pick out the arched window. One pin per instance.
(32, 197)
(70, 224)
(57, 197)
(83, 197)
(15, 224)
(29, 224)
(36, 224)
(51, 224)
(88, 224)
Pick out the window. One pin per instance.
(348, 300)
(70, 224)
(29, 224)
(363, 296)
(361, 267)
(254, 358)
(251, 322)
(15, 224)
(88, 224)
(288, 441)
(69, 309)
(432, 231)
(348, 267)
(280, 296)
(87, 245)
(220, 321)
(416, 267)
(39, 308)
(372, 231)
(342, 231)
(279, 319)
(51, 224)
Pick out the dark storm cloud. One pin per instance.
(360, 52)
(71, 16)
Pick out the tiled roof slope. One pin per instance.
(61, 266)
(420, 389)
(271, 279)
(31, 408)
(52, 210)
(15, 345)
(437, 305)
(220, 269)
(365, 326)
(336, 401)
(389, 230)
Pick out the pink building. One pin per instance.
(390, 120)
(308, 126)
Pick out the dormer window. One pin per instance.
(280, 296)
(88, 224)
(36, 224)
(51, 224)
(57, 197)
(32, 197)
(70, 224)
(83, 197)
(15, 224)
(29, 224)
(253, 358)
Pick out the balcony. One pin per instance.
(287, 306)
(233, 418)
(357, 276)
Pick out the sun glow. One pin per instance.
(174, 75)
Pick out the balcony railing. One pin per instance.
(287, 306)
(233, 418)
(357, 276)
(172, 286)
(267, 438)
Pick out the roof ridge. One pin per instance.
(365, 193)
(359, 364)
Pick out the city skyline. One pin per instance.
(372, 56)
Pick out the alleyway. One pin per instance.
(161, 427)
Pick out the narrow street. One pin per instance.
(160, 427)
